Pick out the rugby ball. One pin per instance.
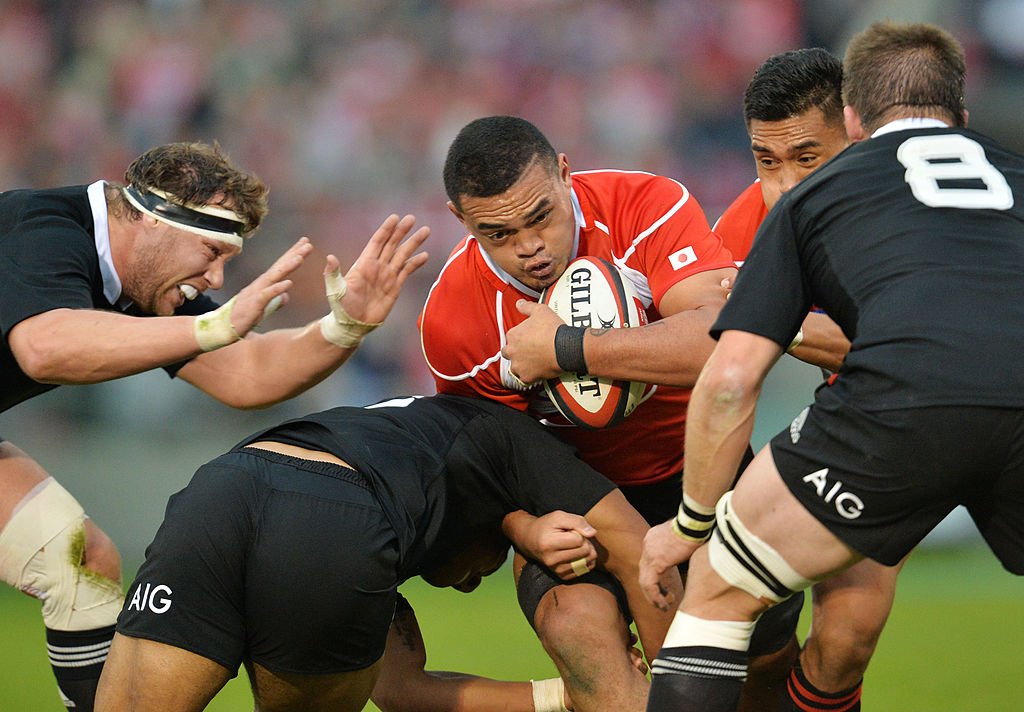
(593, 293)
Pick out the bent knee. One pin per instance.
(578, 612)
(101, 554)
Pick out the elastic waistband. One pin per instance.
(328, 469)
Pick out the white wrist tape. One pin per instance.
(549, 695)
(797, 340)
(41, 550)
(213, 330)
(694, 521)
(338, 327)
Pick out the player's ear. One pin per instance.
(563, 169)
(854, 129)
(456, 213)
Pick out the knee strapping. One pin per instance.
(747, 562)
(41, 553)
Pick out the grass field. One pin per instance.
(955, 640)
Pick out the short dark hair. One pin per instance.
(194, 173)
(896, 70)
(490, 154)
(789, 84)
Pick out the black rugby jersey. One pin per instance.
(448, 468)
(913, 242)
(48, 260)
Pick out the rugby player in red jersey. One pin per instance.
(484, 335)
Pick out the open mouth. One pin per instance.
(188, 291)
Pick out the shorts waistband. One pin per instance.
(328, 469)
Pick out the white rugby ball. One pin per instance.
(593, 293)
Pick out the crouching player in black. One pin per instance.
(286, 553)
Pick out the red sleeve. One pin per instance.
(671, 239)
(462, 329)
(740, 221)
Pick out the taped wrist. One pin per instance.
(569, 349)
(694, 521)
(338, 327)
(213, 330)
(549, 695)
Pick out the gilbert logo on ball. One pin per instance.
(593, 293)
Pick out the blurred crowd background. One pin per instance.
(345, 108)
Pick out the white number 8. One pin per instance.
(959, 158)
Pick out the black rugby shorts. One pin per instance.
(286, 562)
(881, 480)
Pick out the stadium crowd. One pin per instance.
(345, 109)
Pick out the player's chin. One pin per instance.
(469, 584)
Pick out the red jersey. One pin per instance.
(740, 221)
(648, 226)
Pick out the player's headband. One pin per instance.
(209, 220)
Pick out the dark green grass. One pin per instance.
(955, 640)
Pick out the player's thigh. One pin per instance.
(336, 692)
(765, 506)
(144, 674)
(553, 606)
(19, 474)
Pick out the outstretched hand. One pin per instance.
(375, 279)
(268, 291)
(663, 549)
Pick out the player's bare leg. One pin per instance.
(48, 548)
(704, 658)
(849, 612)
(145, 675)
(585, 635)
(285, 692)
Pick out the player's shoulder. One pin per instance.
(609, 186)
(464, 284)
(738, 224)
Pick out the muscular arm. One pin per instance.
(670, 351)
(405, 685)
(823, 344)
(718, 427)
(80, 346)
(721, 413)
(611, 534)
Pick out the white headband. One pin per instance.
(211, 221)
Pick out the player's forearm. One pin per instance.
(81, 346)
(718, 428)
(264, 369)
(671, 351)
(823, 343)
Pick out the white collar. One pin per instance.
(101, 228)
(917, 122)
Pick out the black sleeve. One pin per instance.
(770, 298)
(547, 473)
(45, 265)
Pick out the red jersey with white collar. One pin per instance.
(740, 221)
(655, 232)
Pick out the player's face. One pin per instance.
(787, 151)
(169, 266)
(529, 229)
(466, 570)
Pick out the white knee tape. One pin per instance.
(687, 630)
(747, 562)
(41, 551)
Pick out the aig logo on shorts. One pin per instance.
(849, 505)
(156, 598)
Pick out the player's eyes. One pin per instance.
(541, 218)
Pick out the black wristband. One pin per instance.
(569, 349)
